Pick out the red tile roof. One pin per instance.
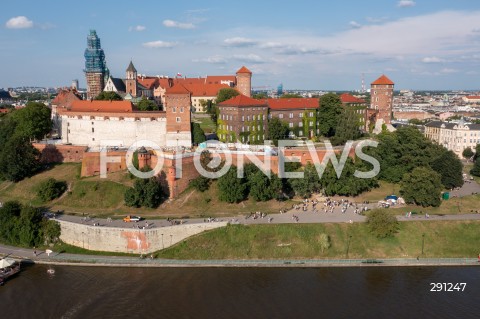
(65, 98)
(242, 100)
(3, 110)
(102, 106)
(205, 89)
(177, 88)
(383, 80)
(148, 82)
(243, 69)
(292, 103)
(347, 98)
(217, 79)
(473, 97)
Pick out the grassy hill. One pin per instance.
(442, 239)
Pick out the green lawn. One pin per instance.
(442, 239)
(206, 124)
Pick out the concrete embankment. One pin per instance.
(129, 240)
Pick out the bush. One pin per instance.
(51, 189)
(381, 224)
(200, 183)
(145, 193)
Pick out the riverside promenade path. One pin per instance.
(63, 259)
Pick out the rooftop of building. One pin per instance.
(244, 69)
(383, 80)
(292, 103)
(348, 98)
(242, 101)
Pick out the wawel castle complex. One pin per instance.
(95, 124)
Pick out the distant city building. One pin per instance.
(471, 99)
(454, 136)
(96, 70)
(280, 89)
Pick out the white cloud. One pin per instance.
(179, 25)
(159, 44)
(249, 58)
(448, 71)
(216, 59)
(137, 28)
(405, 3)
(355, 24)
(271, 45)
(432, 59)
(239, 42)
(20, 22)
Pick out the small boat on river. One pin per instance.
(8, 268)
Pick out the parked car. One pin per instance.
(131, 218)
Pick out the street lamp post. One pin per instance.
(348, 245)
(171, 239)
(162, 243)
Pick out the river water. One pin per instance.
(368, 292)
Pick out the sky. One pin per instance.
(314, 45)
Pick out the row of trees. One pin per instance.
(421, 167)
(26, 226)
(258, 186)
(18, 158)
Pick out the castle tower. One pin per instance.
(131, 80)
(381, 97)
(95, 66)
(244, 81)
(178, 111)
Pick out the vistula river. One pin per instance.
(363, 292)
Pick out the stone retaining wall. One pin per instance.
(129, 240)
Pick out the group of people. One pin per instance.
(256, 215)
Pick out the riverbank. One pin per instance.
(445, 243)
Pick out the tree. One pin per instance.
(260, 96)
(423, 186)
(323, 242)
(147, 105)
(382, 224)
(477, 151)
(277, 130)
(51, 189)
(347, 184)
(226, 94)
(468, 153)
(198, 134)
(18, 159)
(200, 183)
(309, 184)
(145, 193)
(262, 188)
(329, 113)
(290, 96)
(348, 127)
(231, 189)
(475, 171)
(33, 121)
(449, 166)
(108, 96)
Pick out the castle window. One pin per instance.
(181, 110)
(174, 110)
(93, 130)
(300, 115)
(243, 118)
(280, 116)
(310, 114)
(290, 125)
(178, 119)
(290, 115)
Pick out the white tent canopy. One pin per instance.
(6, 262)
